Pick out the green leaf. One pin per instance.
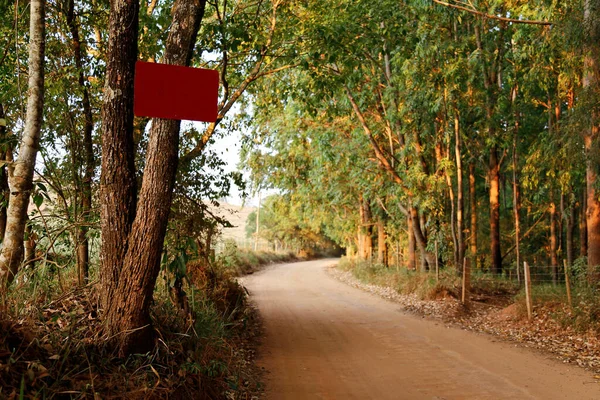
(38, 199)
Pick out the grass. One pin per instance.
(548, 298)
(51, 344)
(240, 262)
(404, 281)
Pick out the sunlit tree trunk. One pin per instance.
(382, 248)
(459, 190)
(515, 182)
(553, 242)
(570, 235)
(427, 259)
(494, 177)
(473, 207)
(21, 183)
(411, 260)
(365, 230)
(591, 84)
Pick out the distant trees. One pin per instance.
(285, 226)
(459, 126)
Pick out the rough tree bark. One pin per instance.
(4, 192)
(494, 176)
(128, 315)
(591, 83)
(459, 190)
(411, 260)
(515, 176)
(88, 153)
(570, 235)
(492, 70)
(21, 183)
(473, 207)
(427, 259)
(365, 230)
(117, 180)
(553, 242)
(583, 225)
(382, 248)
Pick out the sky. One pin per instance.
(228, 148)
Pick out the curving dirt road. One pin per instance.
(326, 340)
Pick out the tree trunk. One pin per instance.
(515, 176)
(459, 191)
(129, 308)
(593, 206)
(4, 192)
(583, 225)
(117, 180)
(359, 241)
(382, 248)
(366, 229)
(30, 246)
(591, 83)
(516, 206)
(473, 206)
(86, 195)
(561, 225)
(494, 174)
(412, 256)
(427, 259)
(553, 243)
(21, 183)
(570, 235)
(453, 225)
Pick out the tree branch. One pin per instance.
(482, 14)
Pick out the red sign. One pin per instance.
(175, 92)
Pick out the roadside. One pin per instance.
(507, 322)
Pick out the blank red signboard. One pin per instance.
(175, 92)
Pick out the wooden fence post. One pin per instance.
(528, 290)
(568, 284)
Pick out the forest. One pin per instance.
(414, 134)
(450, 125)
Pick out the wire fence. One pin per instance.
(540, 283)
(568, 285)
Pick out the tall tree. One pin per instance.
(21, 182)
(87, 158)
(591, 84)
(127, 315)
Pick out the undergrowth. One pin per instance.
(404, 281)
(583, 315)
(242, 262)
(51, 343)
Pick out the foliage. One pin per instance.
(285, 226)
(51, 349)
(239, 262)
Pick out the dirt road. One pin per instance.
(326, 340)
